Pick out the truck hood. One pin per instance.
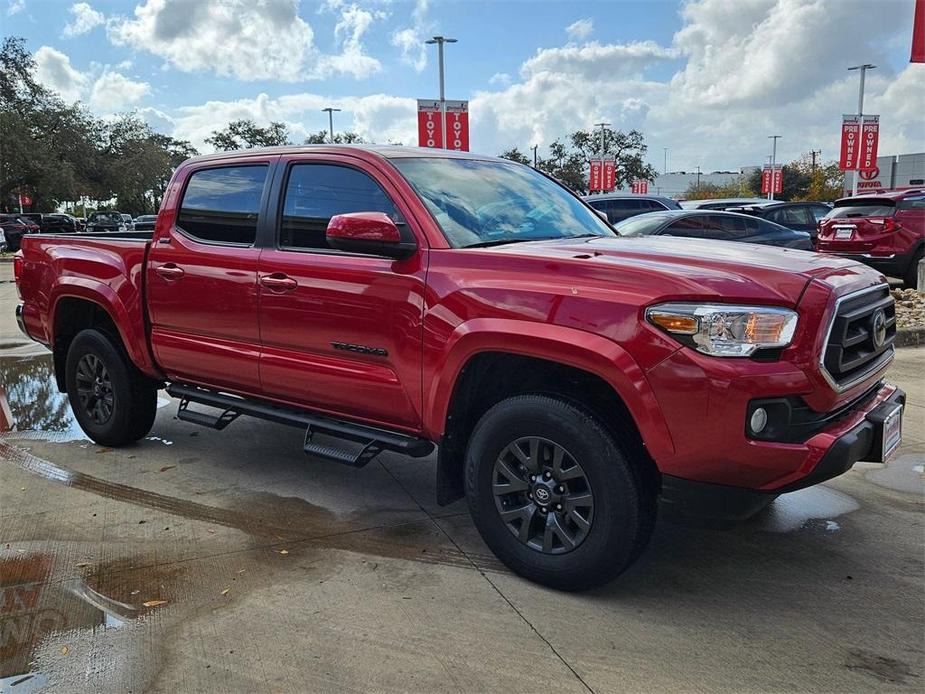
(705, 268)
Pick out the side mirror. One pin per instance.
(601, 214)
(372, 233)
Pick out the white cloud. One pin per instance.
(113, 91)
(246, 40)
(596, 61)
(500, 78)
(411, 39)
(85, 19)
(54, 70)
(353, 23)
(579, 30)
(15, 7)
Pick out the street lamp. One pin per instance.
(863, 68)
(330, 111)
(440, 40)
(534, 148)
(602, 126)
(774, 139)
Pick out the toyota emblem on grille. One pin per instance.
(878, 329)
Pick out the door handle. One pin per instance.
(170, 271)
(278, 282)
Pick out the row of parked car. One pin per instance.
(16, 225)
(885, 231)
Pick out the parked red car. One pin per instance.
(398, 299)
(885, 231)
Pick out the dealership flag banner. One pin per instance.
(429, 126)
(641, 187)
(457, 125)
(918, 33)
(772, 180)
(850, 136)
(870, 139)
(594, 176)
(609, 176)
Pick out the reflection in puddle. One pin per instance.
(34, 401)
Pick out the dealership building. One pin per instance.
(894, 172)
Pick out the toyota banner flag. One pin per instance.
(430, 124)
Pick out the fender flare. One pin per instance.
(569, 346)
(127, 322)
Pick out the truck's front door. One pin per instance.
(340, 332)
(202, 279)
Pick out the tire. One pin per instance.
(910, 281)
(113, 403)
(623, 496)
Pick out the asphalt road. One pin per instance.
(206, 561)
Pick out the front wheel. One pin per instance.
(555, 495)
(112, 402)
(911, 280)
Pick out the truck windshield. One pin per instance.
(486, 203)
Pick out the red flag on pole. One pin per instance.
(610, 175)
(918, 33)
(850, 141)
(595, 175)
(870, 139)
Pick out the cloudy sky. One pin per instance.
(708, 79)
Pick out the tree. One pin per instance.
(322, 137)
(569, 161)
(515, 154)
(802, 182)
(246, 134)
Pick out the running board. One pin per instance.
(368, 441)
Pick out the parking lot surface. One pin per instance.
(215, 561)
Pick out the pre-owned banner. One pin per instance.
(870, 139)
(609, 176)
(641, 187)
(594, 176)
(772, 180)
(850, 141)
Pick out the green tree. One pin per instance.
(246, 134)
(515, 154)
(322, 137)
(803, 182)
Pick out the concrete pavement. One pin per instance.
(224, 561)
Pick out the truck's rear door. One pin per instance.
(202, 276)
(341, 332)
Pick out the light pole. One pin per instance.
(863, 68)
(665, 165)
(534, 148)
(330, 111)
(440, 40)
(773, 139)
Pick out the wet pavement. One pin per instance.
(198, 560)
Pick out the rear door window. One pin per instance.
(690, 227)
(618, 210)
(724, 227)
(221, 205)
(791, 216)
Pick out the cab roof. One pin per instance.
(362, 151)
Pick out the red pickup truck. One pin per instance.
(399, 299)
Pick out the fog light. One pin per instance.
(759, 420)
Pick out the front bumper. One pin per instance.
(846, 444)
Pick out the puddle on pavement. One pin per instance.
(814, 506)
(35, 405)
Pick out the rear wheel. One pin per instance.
(910, 281)
(555, 495)
(112, 402)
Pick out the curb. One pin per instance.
(910, 337)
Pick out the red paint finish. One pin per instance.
(384, 341)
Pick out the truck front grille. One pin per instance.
(861, 335)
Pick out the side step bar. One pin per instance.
(368, 441)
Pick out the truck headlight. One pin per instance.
(725, 330)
